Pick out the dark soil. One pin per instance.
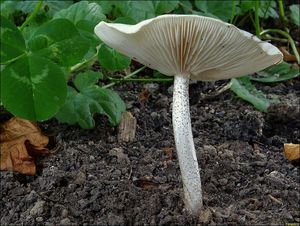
(94, 179)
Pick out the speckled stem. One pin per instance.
(185, 145)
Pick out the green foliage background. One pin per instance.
(48, 49)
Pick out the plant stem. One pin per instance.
(14, 59)
(32, 15)
(286, 35)
(281, 10)
(147, 80)
(185, 145)
(282, 14)
(233, 5)
(82, 65)
(269, 37)
(257, 23)
(125, 77)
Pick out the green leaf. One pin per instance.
(80, 107)
(85, 16)
(82, 11)
(49, 6)
(125, 20)
(86, 79)
(277, 73)
(294, 14)
(33, 88)
(12, 42)
(243, 88)
(7, 8)
(137, 10)
(65, 45)
(161, 7)
(112, 60)
(220, 9)
(266, 8)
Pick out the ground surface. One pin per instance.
(93, 179)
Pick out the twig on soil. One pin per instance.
(124, 78)
(130, 173)
(275, 200)
(47, 198)
(217, 92)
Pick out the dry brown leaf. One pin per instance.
(145, 184)
(144, 96)
(286, 55)
(169, 152)
(292, 151)
(20, 140)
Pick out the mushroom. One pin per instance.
(189, 47)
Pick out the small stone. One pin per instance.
(72, 187)
(83, 203)
(80, 178)
(170, 90)
(38, 208)
(65, 221)
(39, 219)
(32, 196)
(152, 87)
(116, 174)
(115, 219)
(162, 101)
(92, 158)
(205, 216)
(210, 149)
(154, 114)
(118, 152)
(91, 177)
(64, 213)
(90, 143)
(223, 181)
(288, 216)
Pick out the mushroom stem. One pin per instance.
(185, 145)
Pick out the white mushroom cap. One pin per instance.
(199, 47)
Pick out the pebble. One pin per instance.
(38, 208)
(118, 152)
(80, 178)
(64, 213)
(92, 158)
(154, 114)
(72, 187)
(152, 87)
(162, 101)
(115, 219)
(39, 219)
(170, 90)
(83, 203)
(223, 181)
(210, 149)
(116, 174)
(65, 221)
(32, 197)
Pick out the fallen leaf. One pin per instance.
(292, 151)
(286, 55)
(144, 96)
(20, 140)
(145, 184)
(169, 152)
